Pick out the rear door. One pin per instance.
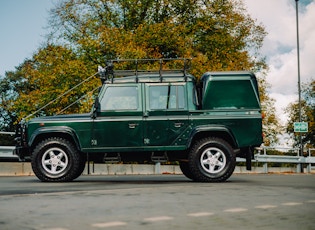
(166, 116)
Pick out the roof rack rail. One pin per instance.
(134, 67)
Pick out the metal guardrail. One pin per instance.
(6, 153)
(7, 133)
(298, 160)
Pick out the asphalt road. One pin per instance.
(159, 202)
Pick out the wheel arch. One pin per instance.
(222, 132)
(59, 131)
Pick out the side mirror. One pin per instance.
(96, 107)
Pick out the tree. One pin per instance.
(8, 87)
(307, 115)
(7, 94)
(52, 71)
(271, 126)
(218, 34)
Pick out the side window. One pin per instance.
(177, 98)
(166, 97)
(120, 98)
(158, 97)
(234, 94)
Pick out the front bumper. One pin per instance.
(22, 152)
(21, 148)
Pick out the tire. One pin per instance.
(184, 166)
(56, 160)
(81, 167)
(211, 160)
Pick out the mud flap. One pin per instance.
(249, 156)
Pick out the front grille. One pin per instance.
(20, 134)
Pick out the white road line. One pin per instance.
(267, 206)
(291, 203)
(200, 214)
(56, 228)
(158, 218)
(109, 224)
(236, 210)
(196, 214)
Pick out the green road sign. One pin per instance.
(300, 127)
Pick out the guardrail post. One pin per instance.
(299, 165)
(157, 168)
(265, 167)
(309, 164)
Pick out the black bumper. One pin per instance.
(22, 152)
(21, 148)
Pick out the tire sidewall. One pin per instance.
(195, 157)
(39, 152)
(184, 167)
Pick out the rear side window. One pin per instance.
(232, 94)
(163, 97)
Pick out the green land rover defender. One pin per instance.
(152, 116)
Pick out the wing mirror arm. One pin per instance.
(96, 108)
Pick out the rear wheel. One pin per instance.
(211, 160)
(56, 159)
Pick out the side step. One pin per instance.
(111, 158)
(159, 157)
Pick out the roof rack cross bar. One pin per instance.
(133, 67)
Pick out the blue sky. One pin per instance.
(22, 29)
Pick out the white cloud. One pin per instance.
(280, 46)
(281, 102)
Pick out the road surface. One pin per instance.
(159, 202)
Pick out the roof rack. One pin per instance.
(134, 67)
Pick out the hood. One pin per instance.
(66, 117)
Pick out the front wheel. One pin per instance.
(56, 159)
(211, 160)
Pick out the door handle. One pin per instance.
(133, 125)
(178, 124)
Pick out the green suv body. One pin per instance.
(152, 117)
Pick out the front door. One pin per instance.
(119, 124)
